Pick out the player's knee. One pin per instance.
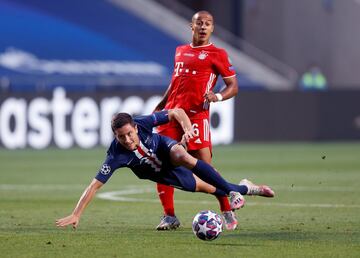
(179, 156)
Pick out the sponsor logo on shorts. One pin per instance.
(198, 141)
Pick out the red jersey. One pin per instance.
(196, 70)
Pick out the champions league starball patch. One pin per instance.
(105, 169)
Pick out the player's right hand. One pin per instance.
(69, 220)
(187, 136)
(210, 97)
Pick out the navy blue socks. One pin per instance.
(239, 188)
(208, 174)
(243, 189)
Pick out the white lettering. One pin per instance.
(61, 107)
(133, 105)
(150, 104)
(16, 109)
(196, 129)
(40, 136)
(64, 122)
(178, 65)
(108, 107)
(85, 122)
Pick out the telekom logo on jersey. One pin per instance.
(178, 66)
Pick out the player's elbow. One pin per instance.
(232, 86)
(96, 184)
(234, 89)
(179, 111)
(176, 112)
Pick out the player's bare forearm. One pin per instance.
(181, 117)
(84, 200)
(231, 89)
(86, 197)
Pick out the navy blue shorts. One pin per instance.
(179, 177)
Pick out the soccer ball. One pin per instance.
(207, 225)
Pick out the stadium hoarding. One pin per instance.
(67, 119)
(297, 116)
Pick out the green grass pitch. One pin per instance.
(316, 211)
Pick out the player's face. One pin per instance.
(128, 137)
(202, 27)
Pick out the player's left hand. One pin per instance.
(69, 220)
(210, 97)
(187, 136)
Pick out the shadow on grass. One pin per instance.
(279, 235)
(256, 239)
(235, 244)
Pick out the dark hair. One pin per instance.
(121, 119)
(202, 12)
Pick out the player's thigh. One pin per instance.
(202, 186)
(203, 154)
(179, 157)
(180, 178)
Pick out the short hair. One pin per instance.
(121, 119)
(202, 12)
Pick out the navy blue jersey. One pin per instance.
(150, 160)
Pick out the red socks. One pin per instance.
(166, 195)
(224, 203)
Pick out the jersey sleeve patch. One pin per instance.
(153, 120)
(161, 117)
(107, 169)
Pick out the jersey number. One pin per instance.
(206, 128)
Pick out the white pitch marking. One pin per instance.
(40, 187)
(295, 188)
(122, 196)
(320, 188)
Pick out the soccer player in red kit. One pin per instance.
(196, 69)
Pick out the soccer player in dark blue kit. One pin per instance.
(160, 159)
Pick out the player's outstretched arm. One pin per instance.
(74, 218)
(181, 117)
(231, 88)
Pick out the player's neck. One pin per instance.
(202, 44)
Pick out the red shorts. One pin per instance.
(202, 137)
